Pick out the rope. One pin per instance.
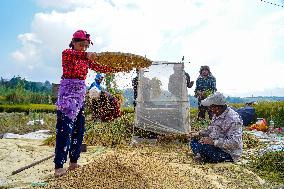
(273, 3)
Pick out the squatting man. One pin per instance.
(222, 140)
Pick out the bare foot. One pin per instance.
(60, 172)
(73, 166)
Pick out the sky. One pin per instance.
(242, 41)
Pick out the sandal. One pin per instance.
(73, 166)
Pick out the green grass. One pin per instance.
(10, 108)
(17, 122)
(270, 166)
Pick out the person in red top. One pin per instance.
(70, 126)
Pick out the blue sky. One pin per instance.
(242, 41)
(16, 16)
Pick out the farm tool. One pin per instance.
(83, 149)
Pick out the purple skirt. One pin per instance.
(71, 96)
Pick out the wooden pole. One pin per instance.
(31, 165)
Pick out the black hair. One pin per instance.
(204, 68)
(223, 107)
(71, 45)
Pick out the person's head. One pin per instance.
(178, 67)
(80, 41)
(99, 78)
(216, 103)
(250, 103)
(204, 71)
(217, 109)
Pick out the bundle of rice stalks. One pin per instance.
(119, 61)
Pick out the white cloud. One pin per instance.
(65, 4)
(18, 56)
(29, 54)
(241, 57)
(239, 40)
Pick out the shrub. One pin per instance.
(127, 110)
(271, 111)
(9, 108)
(50, 141)
(17, 122)
(270, 166)
(110, 133)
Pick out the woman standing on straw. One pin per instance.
(70, 125)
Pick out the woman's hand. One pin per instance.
(193, 134)
(92, 56)
(206, 140)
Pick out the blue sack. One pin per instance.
(247, 114)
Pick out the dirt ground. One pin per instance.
(16, 153)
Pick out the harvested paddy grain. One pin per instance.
(132, 170)
(150, 167)
(119, 61)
